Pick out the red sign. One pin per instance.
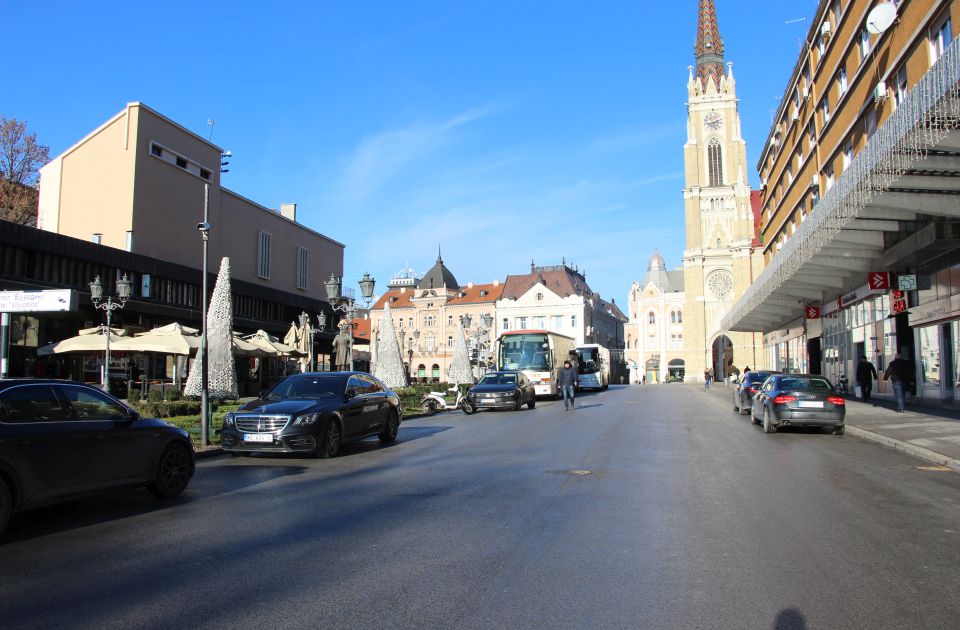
(897, 295)
(813, 312)
(879, 280)
(899, 306)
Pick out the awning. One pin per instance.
(908, 171)
(88, 340)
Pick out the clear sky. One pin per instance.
(502, 131)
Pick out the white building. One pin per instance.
(655, 329)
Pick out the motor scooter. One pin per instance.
(453, 398)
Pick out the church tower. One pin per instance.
(719, 220)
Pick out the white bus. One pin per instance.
(537, 353)
(593, 365)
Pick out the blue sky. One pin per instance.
(501, 131)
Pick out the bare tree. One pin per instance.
(20, 160)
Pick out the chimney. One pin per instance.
(289, 210)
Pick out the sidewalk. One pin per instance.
(928, 433)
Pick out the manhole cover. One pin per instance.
(573, 472)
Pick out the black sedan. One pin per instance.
(747, 388)
(798, 400)
(313, 413)
(61, 440)
(502, 390)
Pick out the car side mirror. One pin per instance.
(262, 393)
(350, 394)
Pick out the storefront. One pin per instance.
(936, 328)
(862, 327)
(785, 350)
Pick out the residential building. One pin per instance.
(860, 204)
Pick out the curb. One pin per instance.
(904, 447)
(207, 453)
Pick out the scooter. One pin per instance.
(452, 399)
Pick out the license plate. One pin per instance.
(258, 437)
(489, 397)
(811, 404)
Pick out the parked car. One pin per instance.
(798, 400)
(313, 413)
(747, 388)
(508, 389)
(62, 440)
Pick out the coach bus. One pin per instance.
(593, 365)
(539, 354)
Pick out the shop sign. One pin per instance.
(37, 301)
(813, 312)
(907, 283)
(879, 280)
(899, 299)
(938, 310)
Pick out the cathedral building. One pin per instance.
(721, 258)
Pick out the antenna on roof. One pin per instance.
(210, 123)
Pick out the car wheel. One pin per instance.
(519, 402)
(390, 431)
(429, 407)
(767, 425)
(467, 407)
(173, 472)
(532, 402)
(6, 505)
(839, 429)
(330, 445)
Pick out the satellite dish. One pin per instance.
(881, 17)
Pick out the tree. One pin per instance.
(20, 160)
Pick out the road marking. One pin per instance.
(574, 472)
(934, 468)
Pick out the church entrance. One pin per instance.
(722, 358)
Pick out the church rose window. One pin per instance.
(720, 283)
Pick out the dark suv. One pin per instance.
(313, 413)
(61, 440)
(747, 388)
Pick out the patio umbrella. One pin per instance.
(170, 339)
(244, 348)
(265, 341)
(88, 340)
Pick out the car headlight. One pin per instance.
(228, 420)
(306, 419)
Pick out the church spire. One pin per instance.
(709, 46)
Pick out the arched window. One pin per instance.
(673, 317)
(715, 162)
(651, 318)
(679, 317)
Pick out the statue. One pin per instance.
(342, 346)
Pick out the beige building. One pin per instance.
(654, 345)
(426, 316)
(137, 183)
(861, 194)
(719, 260)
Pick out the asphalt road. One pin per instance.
(689, 518)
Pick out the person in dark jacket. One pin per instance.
(899, 372)
(567, 380)
(866, 374)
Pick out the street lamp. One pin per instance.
(109, 305)
(204, 229)
(345, 304)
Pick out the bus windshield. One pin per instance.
(525, 352)
(588, 360)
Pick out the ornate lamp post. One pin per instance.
(483, 328)
(310, 330)
(109, 305)
(347, 305)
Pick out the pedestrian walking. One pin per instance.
(746, 370)
(567, 380)
(707, 377)
(866, 374)
(644, 381)
(899, 372)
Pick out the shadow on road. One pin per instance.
(588, 406)
(790, 619)
(115, 506)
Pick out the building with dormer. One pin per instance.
(654, 334)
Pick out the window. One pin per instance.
(651, 318)
(715, 162)
(899, 86)
(303, 264)
(97, 238)
(673, 317)
(204, 173)
(32, 403)
(156, 150)
(450, 341)
(400, 322)
(825, 110)
(679, 317)
(864, 44)
(521, 323)
(811, 135)
(263, 256)
(815, 198)
(870, 123)
(90, 404)
(181, 162)
(410, 322)
(940, 35)
(539, 297)
(841, 82)
(540, 322)
(505, 324)
(821, 48)
(431, 343)
(789, 172)
(651, 341)
(573, 321)
(847, 154)
(450, 320)
(828, 173)
(558, 321)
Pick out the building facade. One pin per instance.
(861, 198)
(719, 260)
(654, 333)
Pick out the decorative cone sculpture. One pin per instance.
(222, 378)
(461, 372)
(389, 368)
